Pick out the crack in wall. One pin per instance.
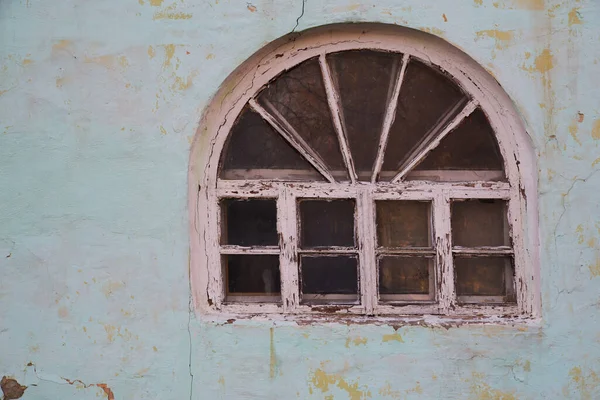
(564, 207)
(299, 17)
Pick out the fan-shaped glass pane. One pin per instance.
(297, 98)
(364, 80)
(471, 146)
(428, 99)
(254, 150)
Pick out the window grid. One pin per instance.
(440, 195)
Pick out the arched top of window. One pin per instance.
(362, 115)
(363, 170)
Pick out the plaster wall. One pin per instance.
(99, 103)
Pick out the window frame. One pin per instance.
(206, 189)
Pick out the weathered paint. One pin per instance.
(94, 144)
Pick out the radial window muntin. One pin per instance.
(207, 278)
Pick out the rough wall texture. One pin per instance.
(99, 101)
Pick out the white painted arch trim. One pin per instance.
(284, 53)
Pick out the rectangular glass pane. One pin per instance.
(479, 223)
(405, 275)
(249, 222)
(403, 223)
(326, 223)
(330, 278)
(484, 276)
(252, 275)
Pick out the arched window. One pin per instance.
(363, 171)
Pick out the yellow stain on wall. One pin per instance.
(110, 287)
(181, 84)
(596, 162)
(596, 129)
(60, 46)
(595, 268)
(574, 17)
(482, 391)
(387, 390)
(350, 7)
(537, 5)
(586, 385)
(357, 341)
(574, 127)
(501, 38)
(151, 52)
(579, 231)
(170, 13)
(110, 332)
(26, 61)
(169, 53)
(544, 62)
(322, 380)
(434, 31)
(156, 3)
(542, 65)
(123, 62)
(392, 337)
(163, 130)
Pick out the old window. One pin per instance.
(364, 181)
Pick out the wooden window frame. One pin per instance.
(206, 189)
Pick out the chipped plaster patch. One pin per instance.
(481, 390)
(584, 385)
(322, 381)
(356, 341)
(574, 18)
(394, 337)
(502, 39)
(171, 13)
(596, 129)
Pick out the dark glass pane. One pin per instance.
(403, 223)
(249, 275)
(329, 275)
(482, 276)
(479, 223)
(404, 275)
(427, 96)
(254, 150)
(471, 146)
(299, 96)
(365, 80)
(249, 222)
(326, 223)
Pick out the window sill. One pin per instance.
(521, 323)
(409, 315)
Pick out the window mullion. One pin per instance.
(365, 219)
(446, 293)
(287, 222)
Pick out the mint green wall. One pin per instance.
(99, 101)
